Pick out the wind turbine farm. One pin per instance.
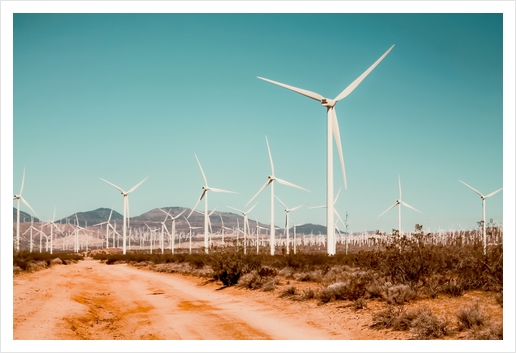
(127, 98)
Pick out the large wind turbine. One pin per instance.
(246, 222)
(287, 213)
(205, 189)
(126, 206)
(398, 203)
(172, 244)
(270, 181)
(19, 197)
(483, 209)
(333, 129)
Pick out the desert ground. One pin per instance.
(90, 300)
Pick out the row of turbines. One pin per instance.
(332, 133)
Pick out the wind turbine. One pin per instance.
(287, 213)
(190, 226)
(205, 190)
(108, 225)
(19, 197)
(398, 203)
(52, 224)
(483, 209)
(246, 222)
(332, 129)
(270, 181)
(126, 206)
(173, 227)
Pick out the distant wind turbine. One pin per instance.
(287, 213)
(398, 203)
(172, 244)
(19, 197)
(483, 209)
(205, 190)
(246, 222)
(332, 129)
(126, 207)
(270, 181)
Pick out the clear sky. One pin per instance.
(126, 96)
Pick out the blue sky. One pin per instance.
(126, 96)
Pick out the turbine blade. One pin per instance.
(284, 182)
(212, 211)
(296, 208)
(195, 205)
(494, 192)
(355, 83)
(323, 206)
(110, 213)
(407, 205)
(304, 92)
(286, 208)
(399, 184)
(220, 190)
(259, 191)
(338, 216)
(120, 189)
(252, 208)
(388, 209)
(270, 155)
(23, 181)
(202, 172)
(475, 190)
(236, 209)
(183, 211)
(336, 135)
(134, 187)
(336, 197)
(27, 204)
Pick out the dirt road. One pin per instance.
(90, 300)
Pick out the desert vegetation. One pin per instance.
(26, 261)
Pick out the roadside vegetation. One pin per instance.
(26, 261)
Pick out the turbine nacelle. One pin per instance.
(328, 103)
(16, 197)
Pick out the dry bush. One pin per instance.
(486, 332)
(289, 291)
(360, 303)
(426, 325)
(312, 276)
(399, 294)
(308, 294)
(286, 272)
(454, 287)
(270, 285)
(386, 318)
(471, 317)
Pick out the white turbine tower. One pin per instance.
(398, 203)
(205, 190)
(190, 226)
(332, 129)
(287, 214)
(483, 209)
(126, 206)
(108, 225)
(172, 244)
(19, 197)
(246, 222)
(270, 181)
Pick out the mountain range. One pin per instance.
(154, 217)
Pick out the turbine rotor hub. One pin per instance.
(329, 103)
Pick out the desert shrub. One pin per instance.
(33, 261)
(360, 303)
(289, 291)
(229, 264)
(426, 325)
(454, 287)
(431, 286)
(399, 294)
(308, 294)
(386, 318)
(270, 285)
(470, 317)
(486, 332)
(286, 272)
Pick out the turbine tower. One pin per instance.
(246, 222)
(483, 209)
(19, 197)
(398, 203)
(287, 213)
(332, 129)
(126, 206)
(205, 189)
(270, 181)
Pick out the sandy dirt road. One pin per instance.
(90, 300)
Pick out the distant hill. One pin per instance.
(92, 217)
(309, 228)
(24, 216)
